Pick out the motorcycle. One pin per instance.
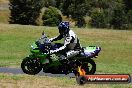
(40, 58)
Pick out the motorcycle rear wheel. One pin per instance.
(89, 64)
(81, 80)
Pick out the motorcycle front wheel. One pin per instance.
(31, 66)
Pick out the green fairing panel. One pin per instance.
(54, 57)
(44, 60)
(34, 45)
(34, 51)
(42, 57)
(34, 48)
(55, 63)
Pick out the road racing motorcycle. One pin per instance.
(41, 59)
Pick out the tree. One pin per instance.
(119, 18)
(59, 4)
(98, 18)
(51, 17)
(128, 11)
(110, 14)
(25, 11)
(65, 6)
(129, 19)
(48, 3)
(77, 9)
(128, 5)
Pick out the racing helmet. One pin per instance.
(63, 28)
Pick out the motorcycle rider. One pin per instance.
(71, 45)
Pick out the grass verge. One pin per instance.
(26, 81)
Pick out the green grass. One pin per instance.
(15, 41)
(115, 57)
(26, 81)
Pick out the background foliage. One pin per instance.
(25, 11)
(51, 17)
(103, 13)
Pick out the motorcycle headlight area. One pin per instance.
(32, 47)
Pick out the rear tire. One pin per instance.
(31, 66)
(85, 66)
(81, 80)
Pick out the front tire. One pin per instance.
(31, 66)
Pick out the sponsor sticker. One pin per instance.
(104, 78)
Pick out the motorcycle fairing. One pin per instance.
(91, 51)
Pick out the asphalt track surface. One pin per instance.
(19, 71)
